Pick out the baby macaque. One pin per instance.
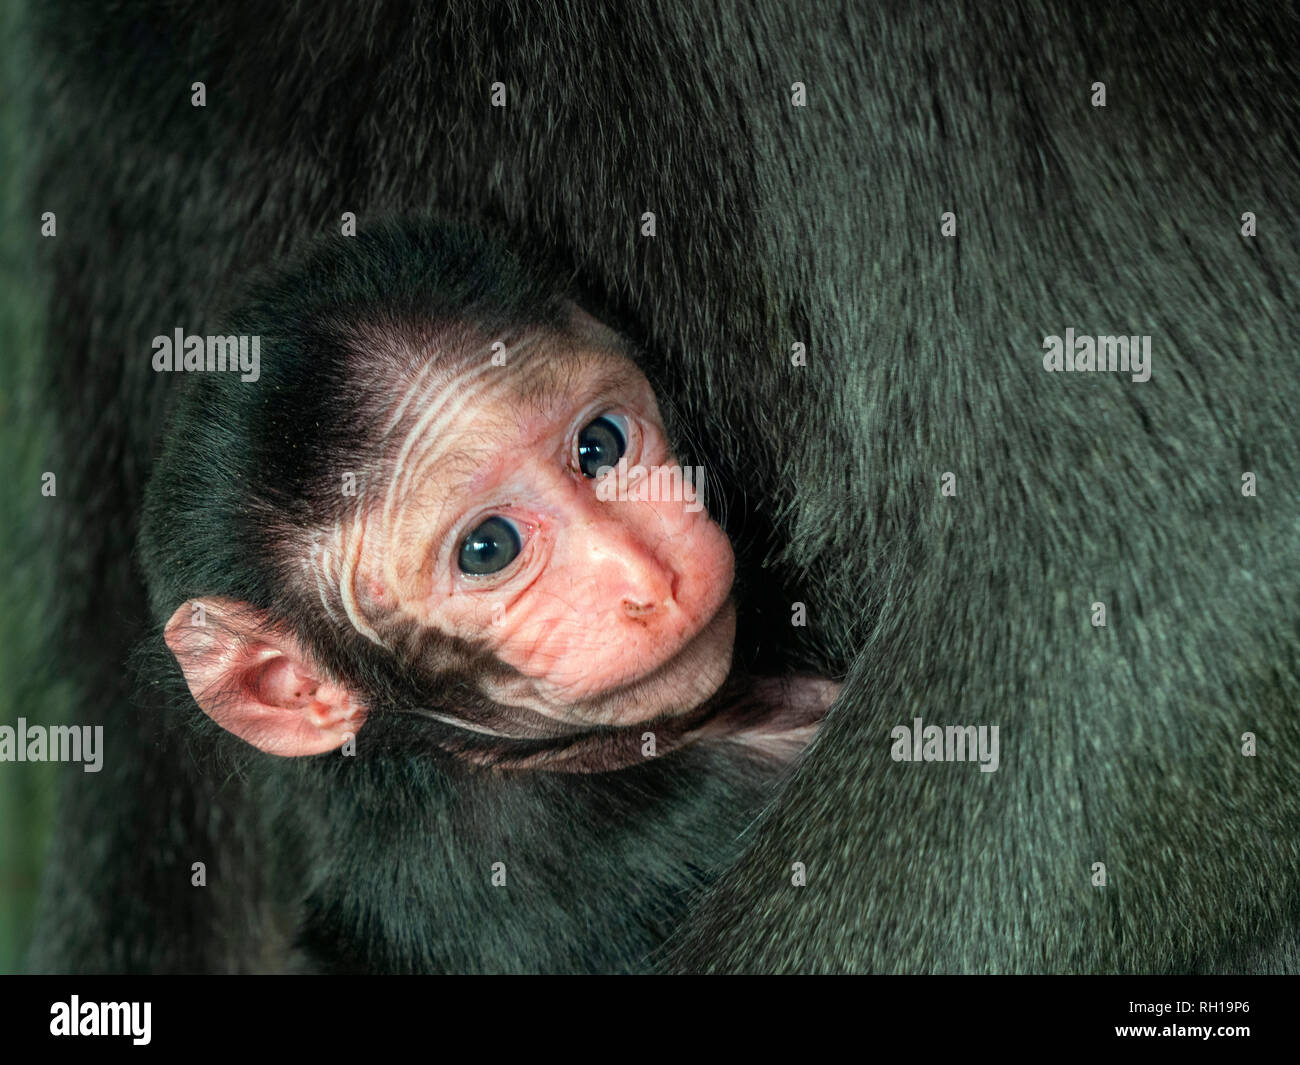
(450, 496)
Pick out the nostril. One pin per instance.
(635, 608)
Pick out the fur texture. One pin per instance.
(775, 225)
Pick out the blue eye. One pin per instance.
(490, 548)
(601, 443)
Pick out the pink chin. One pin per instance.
(677, 686)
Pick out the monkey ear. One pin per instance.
(257, 681)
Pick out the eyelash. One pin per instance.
(526, 529)
(628, 423)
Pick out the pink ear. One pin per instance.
(258, 682)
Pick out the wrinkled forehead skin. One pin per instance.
(449, 405)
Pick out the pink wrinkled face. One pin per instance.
(492, 524)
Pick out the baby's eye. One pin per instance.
(491, 547)
(601, 443)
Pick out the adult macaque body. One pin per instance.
(935, 194)
(402, 535)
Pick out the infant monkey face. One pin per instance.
(548, 522)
